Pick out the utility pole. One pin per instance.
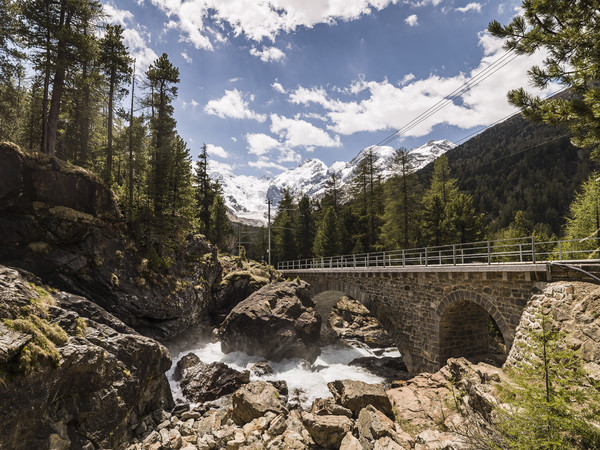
(269, 228)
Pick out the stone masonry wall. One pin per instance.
(416, 307)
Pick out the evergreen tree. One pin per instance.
(305, 228)
(462, 223)
(327, 238)
(181, 192)
(220, 227)
(284, 238)
(436, 199)
(584, 220)
(204, 192)
(114, 60)
(163, 78)
(366, 188)
(570, 33)
(332, 193)
(400, 227)
(550, 401)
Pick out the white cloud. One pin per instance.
(470, 7)
(412, 20)
(258, 20)
(407, 78)
(234, 80)
(389, 106)
(300, 133)
(260, 144)
(187, 58)
(424, 2)
(234, 105)
(265, 163)
(216, 151)
(136, 41)
(193, 104)
(278, 87)
(117, 16)
(233, 138)
(220, 168)
(268, 54)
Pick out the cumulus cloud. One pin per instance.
(268, 54)
(136, 40)
(266, 163)
(385, 105)
(220, 168)
(300, 133)
(117, 16)
(412, 20)
(191, 104)
(278, 87)
(470, 7)
(216, 152)
(197, 20)
(234, 104)
(261, 144)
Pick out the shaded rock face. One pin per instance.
(73, 374)
(351, 320)
(276, 322)
(202, 382)
(62, 223)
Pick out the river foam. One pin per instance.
(305, 382)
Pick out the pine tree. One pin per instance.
(163, 78)
(305, 229)
(220, 227)
(461, 222)
(284, 238)
(400, 227)
(550, 401)
(181, 192)
(441, 193)
(584, 220)
(204, 192)
(327, 238)
(569, 32)
(114, 60)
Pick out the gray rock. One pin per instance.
(327, 431)
(276, 322)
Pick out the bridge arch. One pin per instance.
(379, 309)
(462, 325)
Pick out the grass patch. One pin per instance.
(42, 349)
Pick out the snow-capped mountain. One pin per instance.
(246, 196)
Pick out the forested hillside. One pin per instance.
(517, 165)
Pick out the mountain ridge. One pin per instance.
(246, 196)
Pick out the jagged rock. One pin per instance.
(11, 343)
(356, 395)
(350, 320)
(328, 407)
(85, 381)
(327, 431)
(261, 368)
(435, 439)
(350, 443)
(373, 425)
(386, 367)
(254, 400)
(387, 443)
(202, 382)
(276, 322)
(62, 223)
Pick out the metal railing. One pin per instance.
(516, 250)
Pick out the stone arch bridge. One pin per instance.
(435, 313)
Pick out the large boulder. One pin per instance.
(256, 399)
(327, 431)
(71, 374)
(276, 322)
(62, 223)
(356, 395)
(351, 320)
(201, 382)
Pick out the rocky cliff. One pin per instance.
(63, 224)
(71, 374)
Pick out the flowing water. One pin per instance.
(305, 382)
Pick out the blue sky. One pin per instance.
(267, 84)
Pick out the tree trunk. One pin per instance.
(84, 134)
(109, 149)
